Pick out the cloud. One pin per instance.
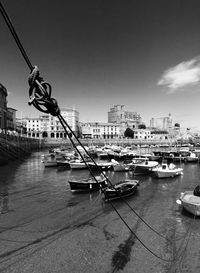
(181, 75)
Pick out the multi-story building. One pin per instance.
(11, 119)
(118, 114)
(160, 134)
(44, 125)
(100, 130)
(7, 114)
(47, 126)
(3, 107)
(33, 127)
(142, 134)
(164, 123)
(21, 126)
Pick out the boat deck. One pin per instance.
(190, 198)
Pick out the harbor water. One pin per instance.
(44, 227)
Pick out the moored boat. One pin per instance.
(120, 190)
(88, 184)
(77, 164)
(142, 166)
(165, 170)
(50, 160)
(190, 201)
(63, 163)
(120, 167)
(192, 157)
(100, 165)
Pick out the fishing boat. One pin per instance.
(142, 165)
(77, 164)
(50, 160)
(165, 170)
(100, 165)
(122, 189)
(88, 184)
(190, 201)
(192, 157)
(119, 167)
(63, 163)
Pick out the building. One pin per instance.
(99, 130)
(160, 135)
(3, 107)
(119, 115)
(7, 114)
(11, 119)
(47, 126)
(33, 127)
(21, 127)
(142, 134)
(164, 123)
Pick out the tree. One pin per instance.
(129, 133)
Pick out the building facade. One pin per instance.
(142, 134)
(11, 119)
(7, 114)
(47, 126)
(100, 130)
(3, 107)
(164, 123)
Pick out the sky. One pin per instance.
(98, 53)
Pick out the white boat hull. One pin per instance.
(50, 163)
(166, 174)
(121, 168)
(78, 166)
(190, 202)
(191, 159)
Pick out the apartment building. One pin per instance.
(100, 130)
(47, 126)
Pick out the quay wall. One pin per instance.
(101, 142)
(141, 146)
(17, 147)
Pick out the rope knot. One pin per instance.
(40, 94)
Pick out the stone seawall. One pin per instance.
(101, 142)
(15, 147)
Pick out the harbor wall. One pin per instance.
(102, 142)
(17, 147)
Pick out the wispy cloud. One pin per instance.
(181, 75)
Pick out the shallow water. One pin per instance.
(36, 206)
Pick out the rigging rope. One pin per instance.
(40, 97)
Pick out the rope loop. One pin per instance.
(40, 94)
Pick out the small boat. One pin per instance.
(190, 201)
(88, 184)
(50, 160)
(192, 157)
(77, 164)
(165, 170)
(122, 189)
(100, 165)
(119, 167)
(142, 165)
(63, 163)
